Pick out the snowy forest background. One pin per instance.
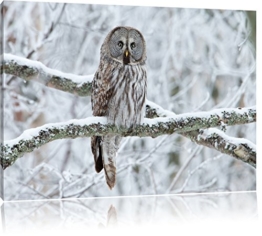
(198, 60)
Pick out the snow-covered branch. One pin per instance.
(239, 148)
(36, 137)
(34, 70)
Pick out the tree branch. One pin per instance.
(240, 148)
(97, 126)
(34, 70)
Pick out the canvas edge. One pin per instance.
(1, 105)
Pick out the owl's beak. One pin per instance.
(126, 57)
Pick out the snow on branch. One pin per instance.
(239, 148)
(34, 70)
(36, 137)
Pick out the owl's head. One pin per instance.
(125, 45)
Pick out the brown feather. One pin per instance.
(97, 152)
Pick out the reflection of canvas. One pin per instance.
(200, 65)
(168, 211)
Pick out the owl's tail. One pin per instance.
(109, 148)
(110, 173)
(105, 156)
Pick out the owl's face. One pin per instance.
(126, 45)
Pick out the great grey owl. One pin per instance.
(118, 92)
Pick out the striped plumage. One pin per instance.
(118, 92)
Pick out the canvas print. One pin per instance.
(110, 100)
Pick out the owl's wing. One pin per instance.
(101, 94)
(99, 99)
(97, 152)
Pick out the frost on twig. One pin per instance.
(97, 126)
(34, 70)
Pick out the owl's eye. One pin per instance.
(132, 45)
(120, 44)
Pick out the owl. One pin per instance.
(118, 93)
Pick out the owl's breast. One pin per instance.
(127, 105)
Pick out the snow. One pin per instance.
(202, 114)
(236, 141)
(159, 109)
(39, 66)
(30, 133)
